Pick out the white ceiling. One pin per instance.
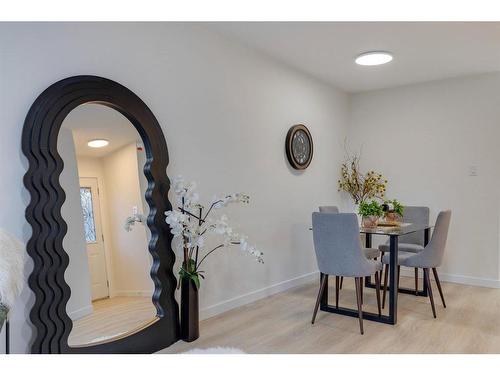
(96, 121)
(423, 51)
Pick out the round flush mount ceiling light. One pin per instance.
(98, 143)
(374, 58)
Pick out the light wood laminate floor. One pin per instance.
(112, 317)
(282, 324)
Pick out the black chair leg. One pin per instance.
(377, 288)
(416, 281)
(337, 291)
(361, 286)
(436, 277)
(359, 282)
(429, 290)
(382, 270)
(341, 281)
(386, 275)
(318, 300)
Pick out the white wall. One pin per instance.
(424, 138)
(130, 255)
(127, 257)
(77, 274)
(143, 184)
(225, 111)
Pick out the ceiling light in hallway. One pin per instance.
(374, 58)
(98, 143)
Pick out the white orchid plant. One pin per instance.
(191, 223)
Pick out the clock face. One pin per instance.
(299, 147)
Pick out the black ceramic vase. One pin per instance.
(190, 323)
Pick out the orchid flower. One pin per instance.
(191, 224)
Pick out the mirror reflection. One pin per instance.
(107, 237)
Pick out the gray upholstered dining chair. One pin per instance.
(413, 242)
(430, 257)
(338, 252)
(369, 253)
(329, 209)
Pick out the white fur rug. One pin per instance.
(12, 257)
(216, 350)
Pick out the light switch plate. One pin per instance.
(473, 170)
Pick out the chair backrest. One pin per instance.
(329, 209)
(415, 215)
(337, 245)
(432, 255)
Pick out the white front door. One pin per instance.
(89, 194)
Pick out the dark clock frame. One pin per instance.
(288, 147)
(39, 144)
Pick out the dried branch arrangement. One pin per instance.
(360, 186)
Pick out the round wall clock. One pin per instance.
(299, 146)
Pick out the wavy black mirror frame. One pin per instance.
(39, 144)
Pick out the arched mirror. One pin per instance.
(103, 279)
(107, 237)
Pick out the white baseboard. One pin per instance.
(132, 293)
(244, 299)
(80, 313)
(458, 279)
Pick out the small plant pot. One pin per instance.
(393, 217)
(370, 221)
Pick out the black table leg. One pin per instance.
(427, 233)
(368, 244)
(393, 279)
(368, 240)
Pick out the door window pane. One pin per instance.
(88, 214)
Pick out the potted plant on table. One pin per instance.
(393, 211)
(370, 213)
(191, 224)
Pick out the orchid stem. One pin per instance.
(190, 214)
(210, 209)
(211, 251)
(197, 247)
